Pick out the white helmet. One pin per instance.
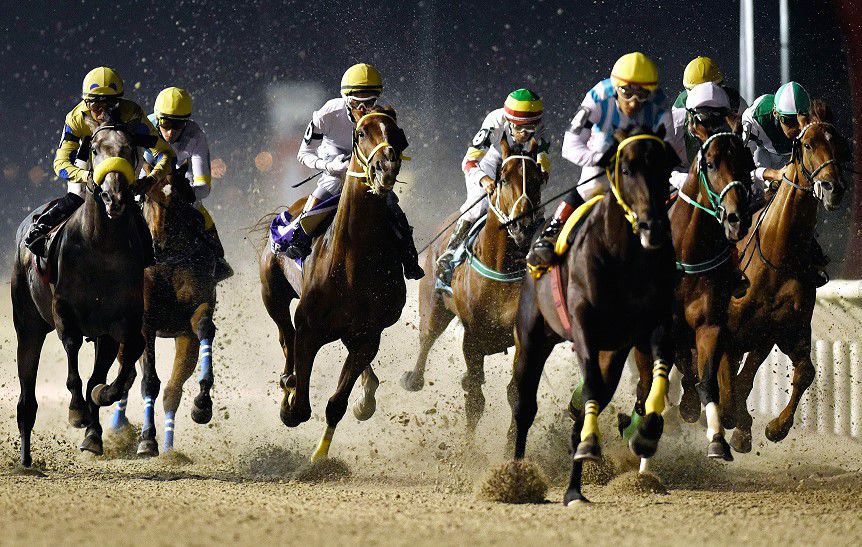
(707, 95)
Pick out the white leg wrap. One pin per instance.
(713, 422)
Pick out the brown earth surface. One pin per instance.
(404, 477)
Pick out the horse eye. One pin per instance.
(361, 134)
(710, 165)
(626, 171)
(807, 146)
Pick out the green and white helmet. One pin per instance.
(791, 98)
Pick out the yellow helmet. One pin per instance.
(102, 82)
(701, 70)
(635, 69)
(173, 103)
(361, 77)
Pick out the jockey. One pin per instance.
(629, 98)
(171, 116)
(705, 113)
(769, 126)
(520, 119)
(102, 101)
(328, 145)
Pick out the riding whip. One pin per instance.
(303, 181)
(441, 232)
(549, 200)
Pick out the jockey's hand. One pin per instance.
(337, 166)
(488, 184)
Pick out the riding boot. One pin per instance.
(445, 268)
(404, 233)
(142, 239)
(542, 253)
(223, 270)
(56, 213)
(300, 242)
(817, 264)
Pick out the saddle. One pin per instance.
(462, 251)
(570, 229)
(42, 265)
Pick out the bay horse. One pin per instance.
(95, 290)
(709, 217)
(179, 301)
(619, 276)
(351, 285)
(486, 289)
(778, 307)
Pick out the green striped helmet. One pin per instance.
(791, 98)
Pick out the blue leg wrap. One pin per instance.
(169, 430)
(205, 356)
(149, 415)
(118, 420)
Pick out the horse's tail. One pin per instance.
(258, 231)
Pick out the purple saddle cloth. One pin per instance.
(285, 230)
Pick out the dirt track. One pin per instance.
(404, 477)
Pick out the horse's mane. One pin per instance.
(821, 112)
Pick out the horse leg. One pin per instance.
(741, 438)
(471, 383)
(706, 339)
(644, 442)
(132, 348)
(185, 360)
(629, 423)
(202, 324)
(72, 342)
(277, 294)
(573, 493)
(150, 386)
(532, 348)
(364, 408)
(359, 357)
(106, 352)
(296, 406)
(602, 373)
(803, 375)
(689, 402)
(31, 330)
(432, 323)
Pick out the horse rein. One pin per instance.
(366, 176)
(816, 187)
(715, 199)
(494, 205)
(630, 215)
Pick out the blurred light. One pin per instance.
(263, 161)
(218, 168)
(36, 174)
(10, 171)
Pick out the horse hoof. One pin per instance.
(92, 443)
(644, 442)
(741, 441)
(78, 418)
(287, 381)
(148, 448)
(291, 417)
(776, 433)
(589, 450)
(574, 498)
(201, 415)
(365, 408)
(719, 449)
(689, 411)
(412, 381)
(99, 396)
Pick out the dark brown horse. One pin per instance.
(775, 256)
(485, 290)
(351, 286)
(96, 291)
(710, 215)
(613, 291)
(179, 300)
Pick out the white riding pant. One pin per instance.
(474, 192)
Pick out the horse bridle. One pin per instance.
(494, 205)
(715, 199)
(816, 187)
(614, 180)
(366, 176)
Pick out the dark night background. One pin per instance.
(444, 66)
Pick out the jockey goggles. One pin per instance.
(636, 92)
(172, 124)
(528, 128)
(102, 103)
(709, 118)
(790, 120)
(356, 102)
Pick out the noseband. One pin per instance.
(630, 215)
(366, 176)
(717, 210)
(494, 205)
(816, 187)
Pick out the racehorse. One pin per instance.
(619, 277)
(351, 285)
(710, 215)
(94, 289)
(775, 256)
(179, 300)
(484, 295)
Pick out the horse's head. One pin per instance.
(518, 190)
(163, 196)
(639, 173)
(724, 175)
(114, 158)
(377, 146)
(817, 152)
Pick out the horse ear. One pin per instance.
(91, 123)
(734, 121)
(532, 145)
(661, 131)
(620, 136)
(504, 145)
(821, 112)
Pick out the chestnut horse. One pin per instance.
(97, 293)
(778, 307)
(710, 215)
(179, 301)
(352, 283)
(485, 292)
(612, 291)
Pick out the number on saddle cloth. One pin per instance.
(285, 230)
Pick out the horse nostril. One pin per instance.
(733, 219)
(644, 225)
(826, 185)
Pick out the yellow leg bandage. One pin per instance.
(323, 446)
(591, 420)
(658, 390)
